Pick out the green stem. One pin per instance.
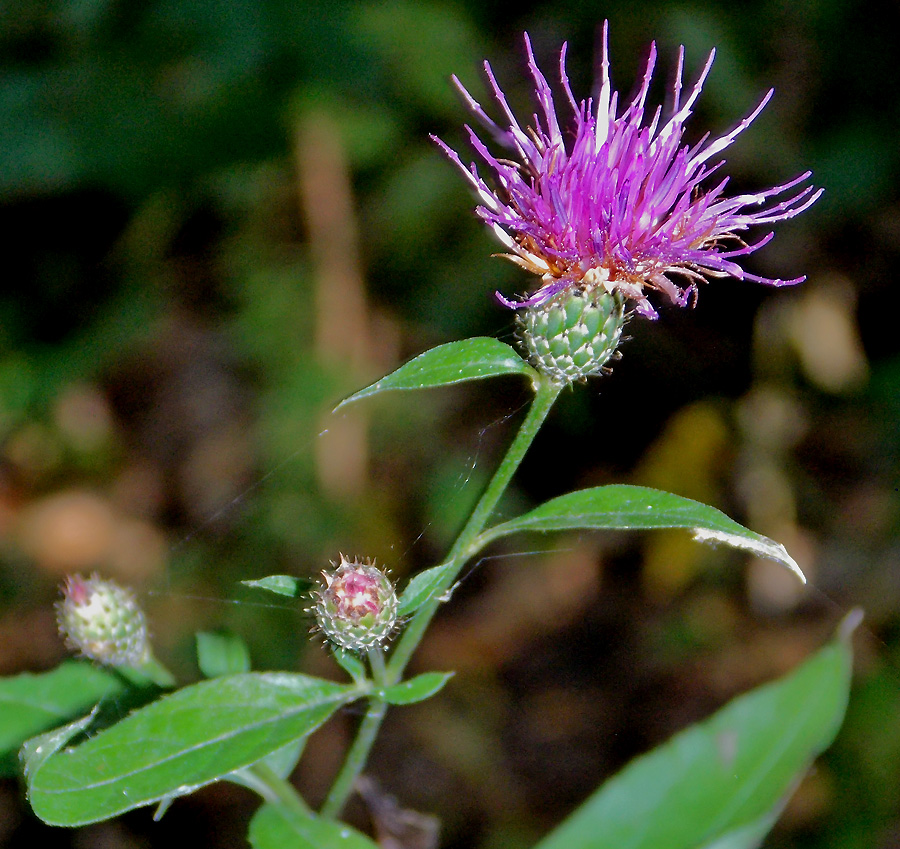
(276, 790)
(376, 664)
(356, 758)
(467, 543)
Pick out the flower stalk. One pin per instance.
(546, 393)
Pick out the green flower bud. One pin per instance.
(357, 607)
(102, 621)
(573, 335)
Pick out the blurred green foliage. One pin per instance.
(165, 356)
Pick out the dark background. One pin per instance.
(218, 218)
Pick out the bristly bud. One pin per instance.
(357, 607)
(102, 621)
(573, 335)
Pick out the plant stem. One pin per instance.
(376, 664)
(464, 547)
(356, 758)
(276, 790)
(546, 393)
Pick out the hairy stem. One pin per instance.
(465, 546)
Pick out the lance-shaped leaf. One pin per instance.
(720, 783)
(416, 689)
(38, 749)
(455, 362)
(282, 762)
(626, 507)
(349, 662)
(423, 587)
(276, 828)
(286, 585)
(173, 746)
(221, 653)
(31, 703)
(749, 836)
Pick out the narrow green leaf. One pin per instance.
(749, 836)
(350, 663)
(715, 784)
(639, 508)
(282, 762)
(275, 828)
(221, 654)
(422, 588)
(455, 362)
(30, 703)
(38, 749)
(181, 742)
(286, 585)
(416, 689)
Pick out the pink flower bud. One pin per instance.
(102, 621)
(357, 607)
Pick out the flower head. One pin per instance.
(626, 205)
(102, 621)
(356, 606)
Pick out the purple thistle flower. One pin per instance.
(622, 206)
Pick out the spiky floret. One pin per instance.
(102, 621)
(626, 202)
(356, 606)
